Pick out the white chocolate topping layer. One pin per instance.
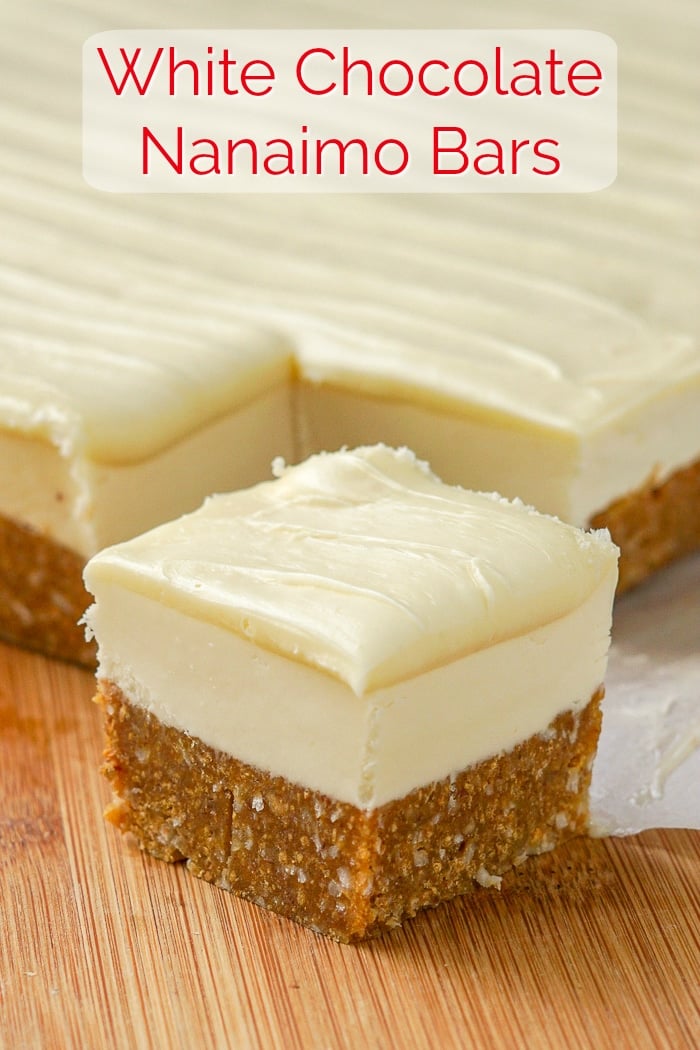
(85, 505)
(119, 393)
(363, 564)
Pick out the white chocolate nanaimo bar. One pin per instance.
(356, 626)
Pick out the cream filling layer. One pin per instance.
(296, 722)
(86, 505)
(572, 476)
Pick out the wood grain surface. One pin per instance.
(100, 946)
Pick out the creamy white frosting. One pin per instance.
(362, 563)
(356, 625)
(120, 393)
(570, 321)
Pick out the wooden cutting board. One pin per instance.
(100, 946)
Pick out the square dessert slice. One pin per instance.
(354, 691)
(106, 431)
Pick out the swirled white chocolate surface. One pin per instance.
(550, 342)
(364, 564)
(324, 624)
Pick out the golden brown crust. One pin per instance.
(342, 871)
(654, 525)
(42, 595)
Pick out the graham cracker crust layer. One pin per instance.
(654, 525)
(342, 871)
(42, 595)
